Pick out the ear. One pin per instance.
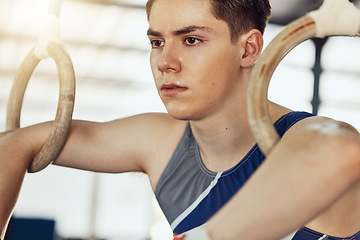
(252, 43)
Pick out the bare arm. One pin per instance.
(131, 144)
(135, 144)
(295, 184)
(16, 153)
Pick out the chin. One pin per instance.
(182, 110)
(184, 114)
(179, 113)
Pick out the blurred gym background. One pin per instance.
(107, 42)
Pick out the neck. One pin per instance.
(225, 137)
(223, 142)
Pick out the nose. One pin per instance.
(169, 60)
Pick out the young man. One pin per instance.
(201, 153)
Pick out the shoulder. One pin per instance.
(157, 135)
(153, 124)
(146, 132)
(318, 134)
(314, 123)
(324, 135)
(323, 126)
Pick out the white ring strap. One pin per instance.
(54, 7)
(336, 18)
(51, 32)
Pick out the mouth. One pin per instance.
(172, 89)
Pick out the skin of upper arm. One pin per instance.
(322, 127)
(123, 145)
(322, 137)
(314, 154)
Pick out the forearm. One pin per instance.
(294, 185)
(15, 156)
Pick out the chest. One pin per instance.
(189, 194)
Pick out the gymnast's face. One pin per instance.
(194, 63)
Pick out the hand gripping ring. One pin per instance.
(57, 137)
(309, 26)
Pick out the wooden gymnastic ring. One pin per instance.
(257, 98)
(58, 134)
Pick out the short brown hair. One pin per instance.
(240, 15)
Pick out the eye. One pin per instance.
(192, 41)
(156, 43)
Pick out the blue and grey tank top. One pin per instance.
(189, 194)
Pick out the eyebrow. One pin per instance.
(181, 31)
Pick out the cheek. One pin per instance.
(152, 63)
(220, 63)
(154, 68)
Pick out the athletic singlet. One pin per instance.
(189, 194)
